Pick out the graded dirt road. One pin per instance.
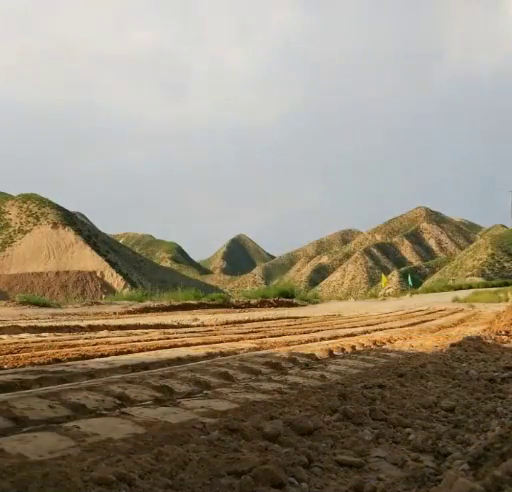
(370, 396)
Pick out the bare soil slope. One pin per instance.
(418, 237)
(238, 256)
(489, 258)
(37, 235)
(166, 253)
(304, 266)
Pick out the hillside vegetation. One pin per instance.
(489, 258)
(166, 253)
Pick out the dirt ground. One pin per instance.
(406, 395)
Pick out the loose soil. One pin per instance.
(417, 399)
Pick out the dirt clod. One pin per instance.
(349, 461)
(273, 430)
(270, 476)
(305, 426)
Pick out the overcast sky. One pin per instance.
(287, 120)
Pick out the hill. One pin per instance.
(418, 237)
(488, 258)
(45, 247)
(304, 266)
(166, 253)
(238, 256)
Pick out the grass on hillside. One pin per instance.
(36, 300)
(449, 287)
(282, 291)
(494, 296)
(178, 295)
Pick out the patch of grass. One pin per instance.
(282, 291)
(35, 300)
(449, 287)
(490, 296)
(177, 295)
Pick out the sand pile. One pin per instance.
(37, 236)
(61, 286)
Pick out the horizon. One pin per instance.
(289, 121)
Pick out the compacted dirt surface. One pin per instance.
(379, 396)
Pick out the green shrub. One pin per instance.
(490, 296)
(281, 291)
(449, 287)
(217, 297)
(36, 300)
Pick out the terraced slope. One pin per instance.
(166, 253)
(238, 256)
(489, 258)
(42, 243)
(418, 237)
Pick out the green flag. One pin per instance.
(410, 280)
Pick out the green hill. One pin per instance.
(166, 253)
(489, 258)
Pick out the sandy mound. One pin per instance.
(37, 235)
(238, 256)
(61, 285)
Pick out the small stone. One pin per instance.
(316, 470)
(349, 461)
(300, 474)
(377, 414)
(270, 476)
(465, 485)
(506, 468)
(447, 406)
(243, 466)
(302, 461)
(246, 484)
(304, 487)
(305, 426)
(293, 482)
(273, 430)
(398, 421)
(102, 479)
(125, 477)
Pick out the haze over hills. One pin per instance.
(166, 253)
(48, 250)
(238, 256)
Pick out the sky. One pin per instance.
(286, 120)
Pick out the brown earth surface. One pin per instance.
(389, 396)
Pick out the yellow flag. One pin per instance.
(384, 280)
